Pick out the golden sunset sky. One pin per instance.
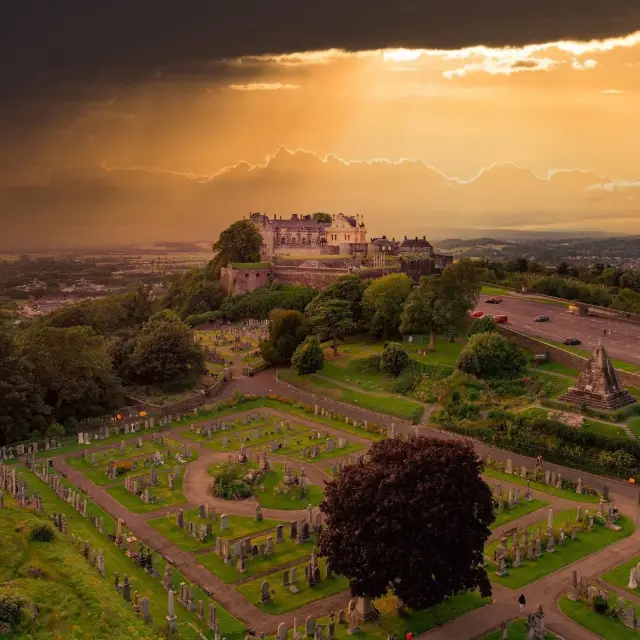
(540, 136)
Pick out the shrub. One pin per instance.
(308, 357)
(42, 533)
(124, 467)
(416, 415)
(10, 609)
(394, 359)
(489, 355)
(486, 324)
(407, 381)
(600, 605)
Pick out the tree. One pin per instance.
(630, 280)
(73, 367)
(194, 293)
(322, 217)
(486, 324)
(489, 355)
(308, 357)
(240, 242)
(22, 408)
(165, 351)
(350, 288)
(394, 359)
(385, 519)
(332, 318)
(383, 301)
(287, 329)
(438, 305)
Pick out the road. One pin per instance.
(623, 344)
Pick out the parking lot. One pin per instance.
(623, 344)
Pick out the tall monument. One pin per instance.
(597, 385)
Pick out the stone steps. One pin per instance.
(627, 430)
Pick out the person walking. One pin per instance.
(522, 600)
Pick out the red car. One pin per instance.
(477, 314)
(501, 319)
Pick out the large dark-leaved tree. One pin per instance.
(165, 351)
(414, 519)
(240, 242)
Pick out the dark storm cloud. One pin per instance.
(74, 45)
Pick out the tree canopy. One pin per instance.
(22, 407)
(322, 217)
(240, 242)
(486, 324)
(287, 329)
(489, 355)
(383, 301)
(73, 367)
(308, 357)
(418, 508)
(394, 359)
(165, 351)
(332, 318)
(350, 288)
(194, 293)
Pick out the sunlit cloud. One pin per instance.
(492, 60)
(615, 92)
(263, 86)
(615, 185)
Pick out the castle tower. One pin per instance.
(597, 385)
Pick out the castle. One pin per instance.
(344, 235)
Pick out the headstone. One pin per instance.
(265, 595)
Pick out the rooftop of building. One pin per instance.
(416, 242)
(297, 221)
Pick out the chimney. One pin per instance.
(416, 238)
(405, 237)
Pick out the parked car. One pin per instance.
(541, 319)
(572, 342)
(501, 319)
(477, 314)
(494, 300)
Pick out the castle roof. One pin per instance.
(416, 243)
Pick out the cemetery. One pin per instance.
(200, 528)
(107, 466)
(511, 504)
(156, 484)
(139, 590)
(248, 430)
(523, 556)
(233, 342)
(292, 588)
(626, 576)
(538, 480)
(600, 611)
(517, 630)
(261, 554)
(280, 488)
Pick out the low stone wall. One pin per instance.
(321, 278)
(557, 354)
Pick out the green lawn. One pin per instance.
(343, 369)
(556, 367)
(146, 585)
(284, 552)
(239, 527)
(604, 429)
(634, 425)
(271, 497)
(165, 497)
(588, 542)
(397, 406)
(601, 625)
(539, 486)
(283, 600)
(446, 352)
(585, 353)
(620, 575)
(492, 290)
(517, 630)
(73, 600)
(522, 509)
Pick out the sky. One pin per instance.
(125, 124)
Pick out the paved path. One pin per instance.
(471, 625)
